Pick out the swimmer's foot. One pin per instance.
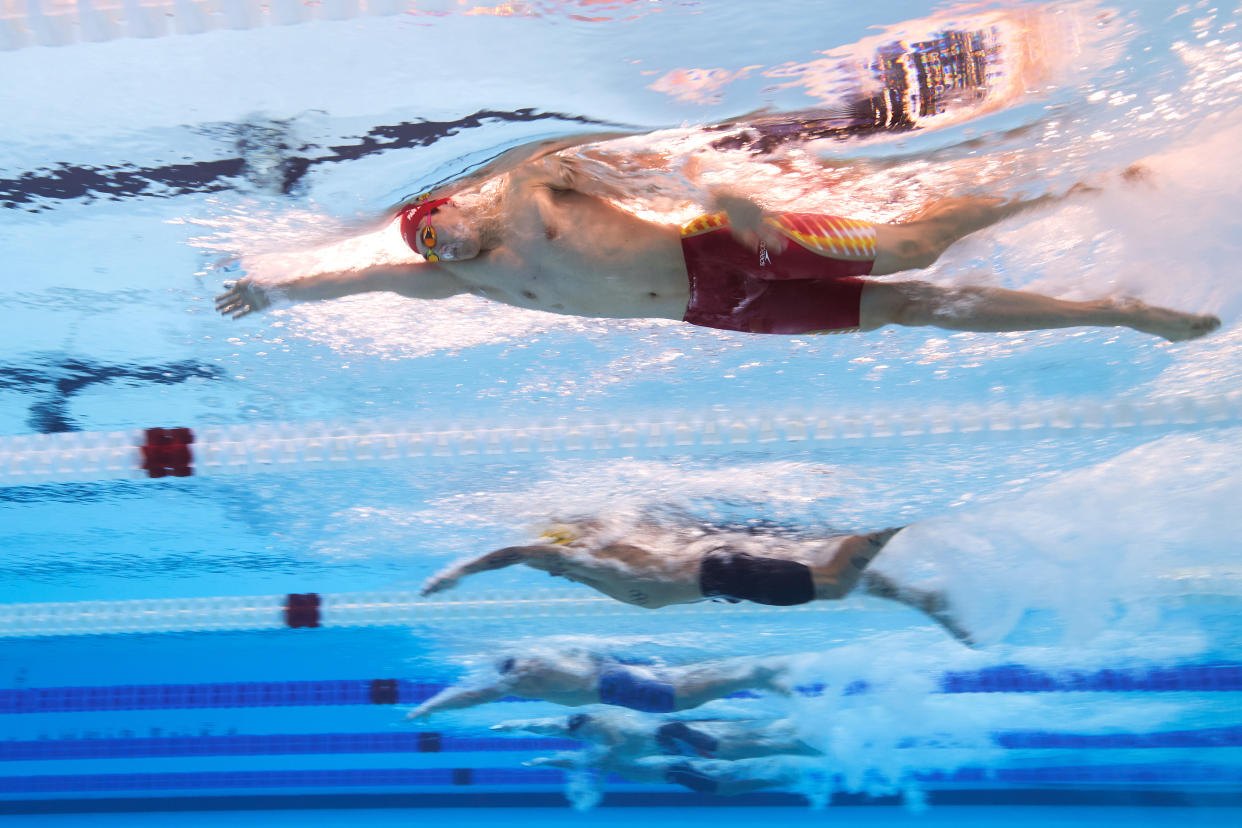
(936, 607)
(932, 604)
(1175, 326)
(1136, 173)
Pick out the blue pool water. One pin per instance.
(1074, 492)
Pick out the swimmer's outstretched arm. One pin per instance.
(540, 557)
(454, 698)
(417, 280)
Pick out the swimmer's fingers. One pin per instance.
(228, 297)
(747, 238)
(773, 239)
(233, 307)
(237, 293)
(439, 583)
(242, 299)
(745, 217)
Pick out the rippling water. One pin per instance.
(130, 166)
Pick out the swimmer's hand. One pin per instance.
(746, 222)
(243, 297)
(440, 582)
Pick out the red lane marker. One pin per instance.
(302, 610)
(167, 452)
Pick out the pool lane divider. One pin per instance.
(1215, 677)
(274, 448)
(404, 608)
(306, 744)
(1141, 775)
(57, 23)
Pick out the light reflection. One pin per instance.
(920, 74)
(950, 69)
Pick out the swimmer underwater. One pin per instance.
(548, 238)
(652, 567)
(577, 677)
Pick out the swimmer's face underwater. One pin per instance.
(448, 235)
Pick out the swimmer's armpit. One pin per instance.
(541, 557)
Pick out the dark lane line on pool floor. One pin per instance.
(31, 191)
(57, 380)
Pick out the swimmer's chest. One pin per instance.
(638, 580)
(573, 232)
(577, 254)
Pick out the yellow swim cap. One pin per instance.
(560, 534)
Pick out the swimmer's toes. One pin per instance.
(1207, 324)
(1136, 173)
(1192, 328)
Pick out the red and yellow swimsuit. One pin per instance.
(812, 286)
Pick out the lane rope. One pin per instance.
(1143, 775)
(173, 452)
(303, 744)
(25, 23)
(1214, 677)
(404, 608)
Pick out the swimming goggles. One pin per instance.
(428, 237)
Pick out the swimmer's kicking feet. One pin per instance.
(547, 237)
(648, 571)
(577, 677)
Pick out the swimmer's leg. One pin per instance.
(697, 684)
(919, 242)
(997, 309)
(932, 604)
(835, 577)
(839, 576)
(729, 778)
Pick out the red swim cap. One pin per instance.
(413, 216)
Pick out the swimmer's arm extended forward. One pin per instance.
(454, 698)
(540, 557)
(417, 280)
